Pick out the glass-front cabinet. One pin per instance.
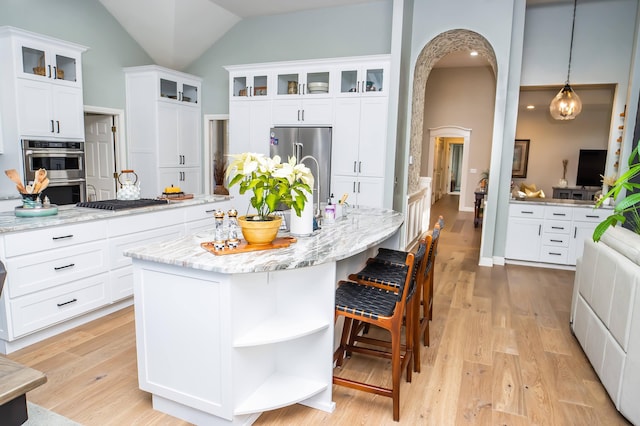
(313, 81)
(171, 88)
(249, 86)
(368, 79)
(48, 62)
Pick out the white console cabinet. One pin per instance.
(164, 129)
(553, 234)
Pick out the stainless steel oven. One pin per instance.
(65, 165)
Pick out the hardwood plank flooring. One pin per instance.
(501, 353)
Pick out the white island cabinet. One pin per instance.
(220, 339)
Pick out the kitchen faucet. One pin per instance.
(318, 213)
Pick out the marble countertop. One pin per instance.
(557, 202)
(361, 229)
(9, 222)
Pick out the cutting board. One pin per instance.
(176, 197)
(244, 247)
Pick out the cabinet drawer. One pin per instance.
(205, 211)
(556, 227)
(591, 215)
(36, 311)
(552, 254)
(143, 222)
(524, 210)
(119, 244)
(39, 271)
(558, 213)
(555, 240)
(52, 238)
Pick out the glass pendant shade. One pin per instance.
(566, 105)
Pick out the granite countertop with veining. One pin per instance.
(361, 229)
(557, 202)
(67, 214)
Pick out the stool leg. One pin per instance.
(339, 356)
(396, 362)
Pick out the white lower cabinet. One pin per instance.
(361, 191)
(60, 273)
(551, 234)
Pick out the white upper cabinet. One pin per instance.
(368, 79)
(42, 87)
(248, 85)
(312, 81)
(174, 89)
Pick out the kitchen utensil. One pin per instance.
(129, 189)
(15, 177)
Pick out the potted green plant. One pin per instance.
(272, 183)
(627, 209)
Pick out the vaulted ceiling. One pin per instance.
(176, 32)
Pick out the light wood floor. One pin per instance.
(501, 353)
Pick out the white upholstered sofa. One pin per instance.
(605, 315)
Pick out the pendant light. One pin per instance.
(567, 105)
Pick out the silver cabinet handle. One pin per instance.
(49, 70)
(302, 115)
(539, 229)
(358, 187)
(58, 122)
(66, 303)
(354, 187)
(53, 129)
(359, 166)
(354, 167)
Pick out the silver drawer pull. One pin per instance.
(556, 241)
(526, 212)
(559, 214)
(66, 303)
(63, 237)
(555, 254)
(57, 268)
(592, 216)
(557, 227)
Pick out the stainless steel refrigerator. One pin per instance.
(305, 142)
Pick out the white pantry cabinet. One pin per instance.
(355, 105)
(41, 87)
(164, 118)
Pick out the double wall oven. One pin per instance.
(65, 165)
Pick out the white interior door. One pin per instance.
(99, 157)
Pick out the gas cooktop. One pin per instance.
(121, 204)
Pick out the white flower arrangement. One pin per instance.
(272, 182)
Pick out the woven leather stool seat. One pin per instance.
(365, 300)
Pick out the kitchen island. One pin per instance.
(221, 339)
(67, 269)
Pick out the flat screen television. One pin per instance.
(591, 164)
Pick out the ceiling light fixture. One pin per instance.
(473, 53)
(567, 105)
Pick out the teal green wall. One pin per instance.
(362, 29)
(88, 23)
(341, 31)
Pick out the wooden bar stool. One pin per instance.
(379, 271)
(372, 303)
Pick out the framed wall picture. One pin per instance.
(520, 158)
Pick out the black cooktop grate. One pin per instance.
(121, 204)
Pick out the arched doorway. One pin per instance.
(451, 41)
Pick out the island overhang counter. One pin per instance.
(220, 339)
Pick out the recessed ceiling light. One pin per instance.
(531, 107)
(473, 53)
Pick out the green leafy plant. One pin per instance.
(627, 208)
(272, 182)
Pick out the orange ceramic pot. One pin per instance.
(259, 232)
